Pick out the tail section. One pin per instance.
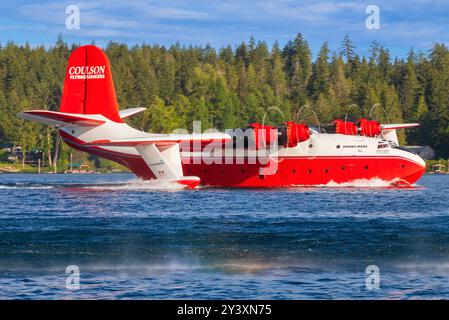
(89, 112)
(88, 85)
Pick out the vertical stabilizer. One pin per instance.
(88, 85)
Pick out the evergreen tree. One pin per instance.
(340, 88)
(409, 89)
(276, 76)
(347, 49)
(320, 77)
(299, 68)
(421, 109)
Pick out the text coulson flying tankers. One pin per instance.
(291, 154)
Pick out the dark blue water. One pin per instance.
(133, 239)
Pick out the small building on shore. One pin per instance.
(438, 168)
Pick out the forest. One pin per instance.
(229, 87)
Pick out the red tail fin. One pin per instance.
(88, 85)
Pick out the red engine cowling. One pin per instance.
(345, 127)
(263, 135)
(288, 135)
(369, 128)
(296, 133)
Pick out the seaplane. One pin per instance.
(291, 154)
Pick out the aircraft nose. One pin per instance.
(415, 170)
(421, 162)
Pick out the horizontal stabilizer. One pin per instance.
(162, 140)
(129, 112)
(54, 118)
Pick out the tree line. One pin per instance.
(231, 87)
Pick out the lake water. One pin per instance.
(142, 240)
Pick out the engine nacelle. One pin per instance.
(287, 135)
(364, 127)
(294, 134)
(345, 127)
(263, 135)
(369, 128)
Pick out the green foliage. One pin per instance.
(229, 88)
(3, 156)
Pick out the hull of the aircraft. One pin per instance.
(401, 168)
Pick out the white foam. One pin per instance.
(361, 183)
(26, 187)
(425, 266)
(139, 185)
(358, 183)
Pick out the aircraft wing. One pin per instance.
(398, 126)
(54, 118)
(162, 140)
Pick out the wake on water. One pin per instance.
(131, 185)
(367, 183)
(24, 187)
(139, 185)
(158, 185)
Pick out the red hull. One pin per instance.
(290, 171)
(304, 171)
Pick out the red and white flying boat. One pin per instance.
(257, 156)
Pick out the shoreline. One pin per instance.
(10, 168)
